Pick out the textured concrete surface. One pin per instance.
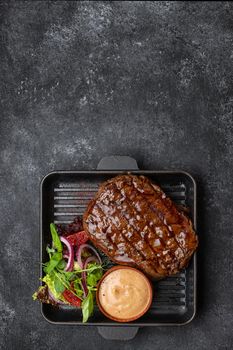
(82, 80)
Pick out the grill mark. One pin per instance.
(171, 231)
(149, 256)
(119, 214)
(143, 200)
(105, 243)
(99, 222)
(159, 214)
(185, 251)
(163, 264)
(147, 223)
(134, 228)
(154, 258)
(160, 266)
(111, 253)
(98, 230)
(166, 225)
(116, 230)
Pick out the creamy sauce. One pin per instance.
(124, 293)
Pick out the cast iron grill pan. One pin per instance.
(64, 195)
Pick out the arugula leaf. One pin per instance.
(50, 282)
(93, 276)
(78, 289)
(69, 275)
(91, 269)
(87, 306)
(58, 285)
(61, 265)
(50, 250)
(53, 262)
(55, 237)
(91, 280)
(62, 279)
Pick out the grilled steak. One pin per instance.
(134, 223)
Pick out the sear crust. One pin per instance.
(134, 223)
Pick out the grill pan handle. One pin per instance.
(118, 333)
(117, 163)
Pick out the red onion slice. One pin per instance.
(90, 259)
(82, 265)
(84, 273)
(70, 263)
(79, 254)
(84, 286)
(79, 257)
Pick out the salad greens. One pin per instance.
(56, 240)
(50, 282)
(87, 306)
(67, 286)
(53, 262)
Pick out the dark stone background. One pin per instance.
(82, 80)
